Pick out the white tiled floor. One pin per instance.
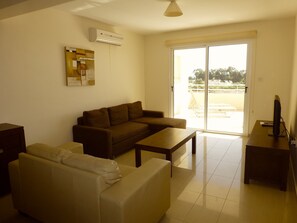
(208, 187)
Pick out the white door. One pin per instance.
(210, 87)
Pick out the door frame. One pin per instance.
(249, 77)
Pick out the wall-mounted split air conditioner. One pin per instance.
(97, 35)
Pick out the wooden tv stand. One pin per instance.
(267, 157)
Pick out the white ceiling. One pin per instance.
(146, 16)
(10, 8)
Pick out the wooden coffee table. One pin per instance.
(166, 142)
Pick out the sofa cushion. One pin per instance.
(135, 110)
(74, 147)
(160, 123)
(118, 114)
(127, 130)
(106, 168)
(97, 118)
(47, 152)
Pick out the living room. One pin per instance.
(38, 88)
(33, 87)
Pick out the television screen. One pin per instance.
(276, 116)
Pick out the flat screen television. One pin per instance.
(277, 131)
(276, 117)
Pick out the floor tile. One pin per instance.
(240, 212)
(218, 186)
(198, 182)
(170, 219)
(256, 194)
(226, 169)
(191, 162)
(181, 206)
(207, 165)
(207, 209)
(232, 157)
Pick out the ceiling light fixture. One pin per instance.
(173, 10)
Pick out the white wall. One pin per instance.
(33, 91)
(293, 102)
(292, 124)
(272, 68)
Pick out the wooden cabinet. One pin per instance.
(12, 142)
(267, 157)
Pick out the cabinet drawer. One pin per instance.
(10, 141)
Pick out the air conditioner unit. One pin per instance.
(97, 35)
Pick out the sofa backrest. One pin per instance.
(105, 117)
(53, 192)
(97, 118)
(80, 121)
(118, 114)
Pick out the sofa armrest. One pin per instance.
(96, 141)
(142, 196)
(156, 114)
(15, 184)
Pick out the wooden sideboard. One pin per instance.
(267, 157)
(12, 142)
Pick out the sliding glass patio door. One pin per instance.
(210, 87)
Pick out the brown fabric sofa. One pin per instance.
(109, 132)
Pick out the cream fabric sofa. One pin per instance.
(49, 190)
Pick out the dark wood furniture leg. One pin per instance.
(194, 145)
(246, 168)
(169, 158)
(138, 156)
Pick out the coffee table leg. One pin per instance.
(169, 158)
(138, 157)
(194, 145)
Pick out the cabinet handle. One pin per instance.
(1, 151)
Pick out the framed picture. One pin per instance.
(80, 69)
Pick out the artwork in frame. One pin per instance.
(80, 69)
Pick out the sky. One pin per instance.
(231, 55)
(219, 57)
